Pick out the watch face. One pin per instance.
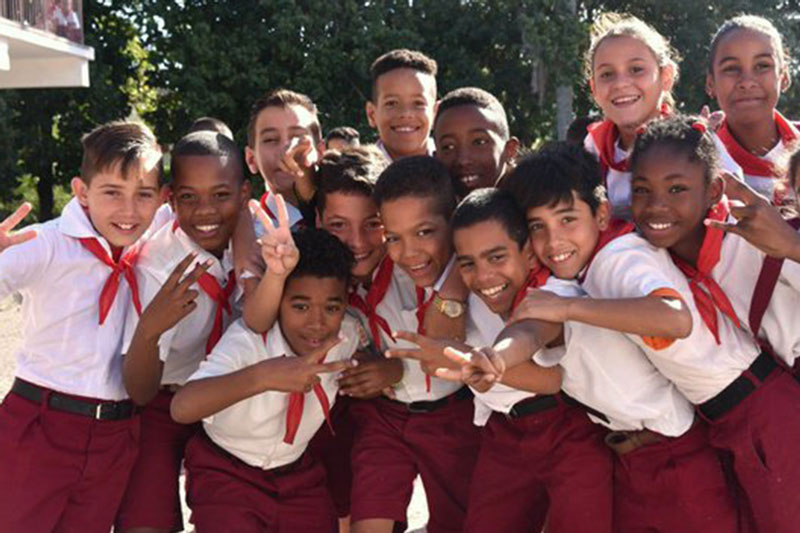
(452, 309)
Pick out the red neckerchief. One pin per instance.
(221, 297)
(713, 297)
(604, 136)
(422, 308)
(294, 413)
(267, 210)
(536, 278)
(375, 294)
(122, 267)
(751, 164)
(616, 228)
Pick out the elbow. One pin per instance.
(180, 411)
(251, 320)
(682, 325)
(553, 385)
(140, 394)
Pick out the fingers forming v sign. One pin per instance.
(6, 238)
(757, 221)
(300, 374)
(175, 299)
(277, 245)
(479, 368)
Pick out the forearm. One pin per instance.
(261, 302)
(652, 316)
(517, 343)
(204, 397)
(244, 238)
(531, 377)
(142, 368)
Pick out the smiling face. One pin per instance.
(671, 199)
(747, 77)
(403, 111)
(311, 311)
(353, 218)
(469, 143)
(492, 264)
(417, 238)
(208, 193)
(275, 129)
(564, 235)
(627, 82)
(121, 207)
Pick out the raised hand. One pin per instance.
(430, 352)
(480, 368)
(175, 299)
(757, 221)
(299, 160)
(542, 305)
(277, 245)
(301, 373)
(714, 119)
(370, 377)
(6, 238)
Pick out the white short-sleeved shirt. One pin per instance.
(295, 216)
(182, 347)
(630, 267)
(604, 370)
(430, 144)
(253, 429)
(399, 308)
(483, 327)
(618, 183)
(64, 347)
(737, 273)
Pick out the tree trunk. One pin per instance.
(564, 93)
(44, 188)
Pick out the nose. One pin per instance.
(356, 239)
(316, 319)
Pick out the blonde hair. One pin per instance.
(609, 25)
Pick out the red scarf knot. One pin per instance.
(122, 267)
(221, 297)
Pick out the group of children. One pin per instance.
(584, 338)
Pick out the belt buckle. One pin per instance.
(418, 407)
(98, 411)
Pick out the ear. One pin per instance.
(591, 88)
(245, 192)
(80, 190)
(321, 148)
(371, 114)
(715, 190)
(528, 253)
(510, 150)
(668, 77)
(786, 79)
(710, 85)
(250, 159)
(603, 215)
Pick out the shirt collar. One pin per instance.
(430, 146)
(219, 267)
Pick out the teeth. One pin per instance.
(418, 267)
(405, 129)
(125, 227)
(361, 257)
(625, 99)
(660, 225)
(493, 291)
(469, 179)
(558, 258)
(207, 228)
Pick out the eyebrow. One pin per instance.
(762, 55)
(493, 250)
(631, 60)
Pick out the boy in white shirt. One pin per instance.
(183, 318)
(247, 469)
(68, 432)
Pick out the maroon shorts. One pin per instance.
(152, 498)
(759, 439)
(226, 494)
(333, 451)
(392, 445)
(61, 471)
(553, 463)
(678, 484)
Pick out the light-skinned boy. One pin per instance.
(68, 433)
(183, 317)
(248, 469)
(472, 139)
(403, 102)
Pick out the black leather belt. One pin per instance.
(70, 404)
(739, 389)
(591, 410)
(429, 406)
(533, 405)
(277, 471)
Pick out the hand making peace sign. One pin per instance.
(277, 245)
(6, 238)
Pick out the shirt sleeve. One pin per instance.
(238, 348)
(23, 264)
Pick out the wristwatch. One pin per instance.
(449, 308)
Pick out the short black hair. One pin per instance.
(207, 143)
(346, 133)
(482, 205)
(354, 170)
(551, 174)
(689, 135)
(419, 176)
(282, 98)
(211, 124)
(579, 128)
(400, 58)
(475, 97)
(321, 255)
